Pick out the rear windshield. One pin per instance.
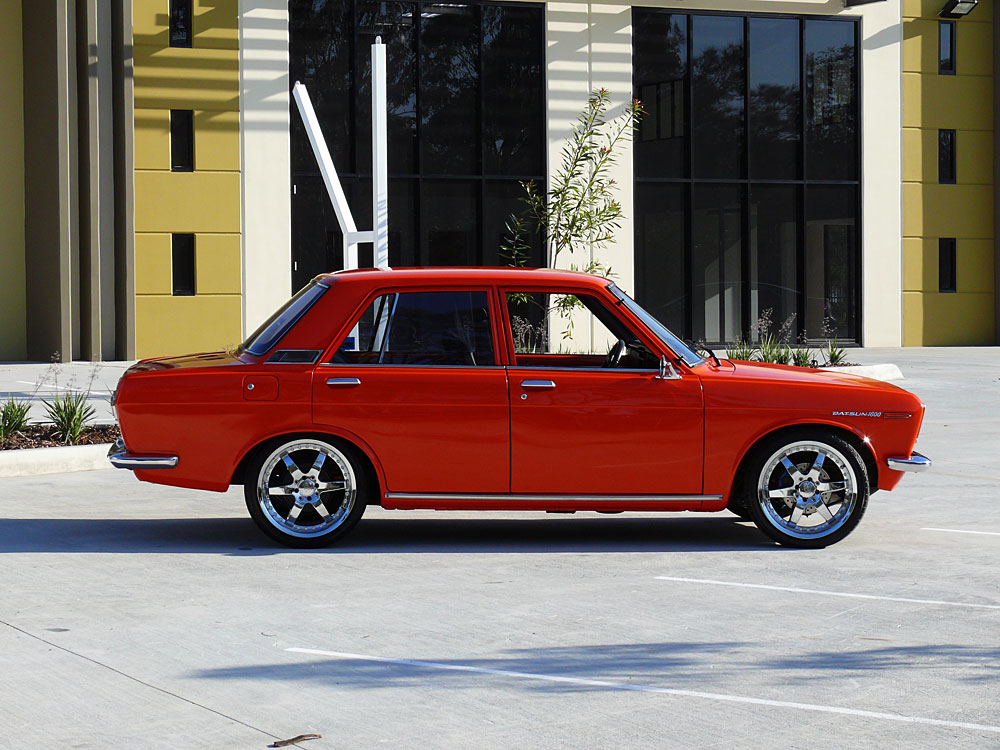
(264, 338)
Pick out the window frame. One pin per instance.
(326, 360)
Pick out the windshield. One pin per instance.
(662, 332)
(264, 338)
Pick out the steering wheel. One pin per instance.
(615, 355)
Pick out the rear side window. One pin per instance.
(271, 331)
(422, 328)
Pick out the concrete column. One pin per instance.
(124, 168)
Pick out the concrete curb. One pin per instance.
(876, 372)
(32, 461)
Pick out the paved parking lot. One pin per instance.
(137, 616)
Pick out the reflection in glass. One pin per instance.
(513, 81)
(716, 259)
(831, 218)
(717, 95)
(449, 88)
(448, 223)
(775, 105)
(660, 76)
(774, 239)
(831, 100)
(660, 236)
(501, 199)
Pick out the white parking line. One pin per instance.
(651, 689)
(44, 385)
(965, 531)
(827, 593)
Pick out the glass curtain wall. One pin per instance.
(747, 168)
(466, 108)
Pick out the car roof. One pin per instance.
(468, 275)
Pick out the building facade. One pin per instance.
(825, 164)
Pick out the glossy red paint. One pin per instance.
(468, 430)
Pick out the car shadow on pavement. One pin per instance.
(238, 536)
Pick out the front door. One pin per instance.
(588, 416)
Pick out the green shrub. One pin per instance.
(803, 357)
(70, 414)
(835, 356)
(13, 417)
(741, 349)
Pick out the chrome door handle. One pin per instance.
(342, 382)
(537, 384)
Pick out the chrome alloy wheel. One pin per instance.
(807, 489)
(306, 488)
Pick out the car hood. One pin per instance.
(761, 371)
(189, 361)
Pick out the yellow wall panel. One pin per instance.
(217, 140)
(920, 46)
(974, 156)
(187, 202)
(218, 264)
(180, 78)
(152, 139)
(974, 48)
(919, 160)
(947, 210)
(13, 340)
(930, 9)
(179, 325)
(153, 264)
(215, 23)
(920, 264)
(975, 260)
(913, 319)
(955, 319)
(936, 101)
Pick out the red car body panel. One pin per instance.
(468, 430)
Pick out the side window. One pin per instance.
(422, 328)
(570, 330)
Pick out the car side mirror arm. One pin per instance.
(667, 370)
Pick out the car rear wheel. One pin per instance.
(305, 492)
(807, 490)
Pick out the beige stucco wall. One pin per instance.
(12, 320)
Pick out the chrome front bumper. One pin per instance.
(122, 459)
(916, 462)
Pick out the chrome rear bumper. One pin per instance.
(122, 459)
(916, 462)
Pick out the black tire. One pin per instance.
(306, 507)
(784, 488)
(737, 507)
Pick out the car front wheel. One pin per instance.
(305, 492)
(807, 490)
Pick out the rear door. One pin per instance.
(418, 380)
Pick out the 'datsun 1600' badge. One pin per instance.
(857, 414)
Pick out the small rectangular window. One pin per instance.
(946, 48)
(947, 265)
(181, 140)
(946, 157)
(183, 264)
(180, 23)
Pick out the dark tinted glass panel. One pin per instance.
(439, 328)
(321, 40)
(181, 140)
(449, 88)
(182, 247)
(502, 199)
(180, 23)
(946, 47)
(774, 241)
(717, 262)
(947, 265)
(660, 240)
(831, 262)
(403, 223)
(718, 81)
(513, 98)
(660, 55)
(775, 104)
(448, 226)
(831, 100)
(394, 22)
(947, 172)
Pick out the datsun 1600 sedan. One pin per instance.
(506, 389)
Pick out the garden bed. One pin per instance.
(46, 436)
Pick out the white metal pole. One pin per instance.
(380, 151)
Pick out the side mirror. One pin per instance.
(667, 370)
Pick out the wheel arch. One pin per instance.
(371, 466)
(852, 438)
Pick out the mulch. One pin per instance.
(45, 436)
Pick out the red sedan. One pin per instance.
(506, 389)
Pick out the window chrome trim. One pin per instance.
(552, 498)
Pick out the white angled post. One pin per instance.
(380, 149)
